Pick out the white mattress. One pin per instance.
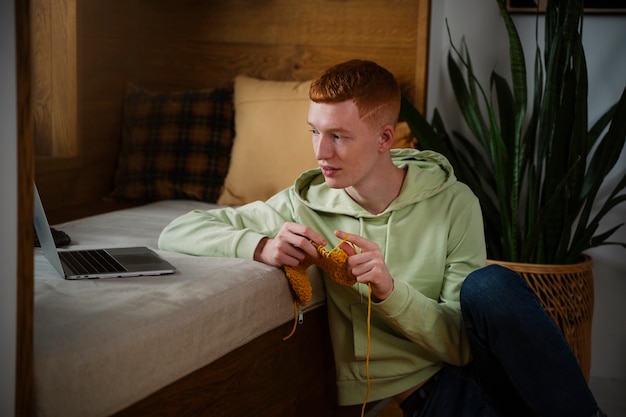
(101, 345)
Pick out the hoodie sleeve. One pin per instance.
(435, 325)
(225, 232)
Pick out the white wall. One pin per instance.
(8, 208)
(603, 37)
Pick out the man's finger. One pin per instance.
(357, 240)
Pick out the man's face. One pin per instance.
(346, 148)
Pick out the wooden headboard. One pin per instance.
(85, 53)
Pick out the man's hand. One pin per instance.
(368, 265)
(289, 246)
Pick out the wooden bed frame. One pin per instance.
(75, 61)
(261, 378)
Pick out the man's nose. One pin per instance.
(323, 147)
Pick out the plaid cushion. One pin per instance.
(174, 145)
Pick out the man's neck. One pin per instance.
(377, 198)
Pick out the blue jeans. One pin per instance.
(522, 364)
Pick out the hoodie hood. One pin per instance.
(428, 173)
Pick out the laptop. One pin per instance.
(96, 263)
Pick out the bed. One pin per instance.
(103, 345)
(209, 339)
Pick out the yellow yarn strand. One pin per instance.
(369, 340)
(295, 321)
(345, 239)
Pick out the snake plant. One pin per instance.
(537, 172)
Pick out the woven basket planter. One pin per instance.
(566, 292)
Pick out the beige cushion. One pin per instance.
(272, 139)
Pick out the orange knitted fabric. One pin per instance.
(334, 262)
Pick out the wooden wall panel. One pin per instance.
(173, 45)
(53, 34)
(25, 262)
(277, 40)
(329, 22)
(41, 49)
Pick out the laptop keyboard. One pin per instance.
(94, 261)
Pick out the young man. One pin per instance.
(418, 234)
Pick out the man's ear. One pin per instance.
(386, 137)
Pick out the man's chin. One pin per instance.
(333, 184)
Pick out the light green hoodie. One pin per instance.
(431, 236)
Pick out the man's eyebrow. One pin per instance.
(332, 129)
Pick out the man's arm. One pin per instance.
(436, 324)
(257, 231)
(225, 232)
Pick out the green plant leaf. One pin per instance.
(608, 150)
(470, 109)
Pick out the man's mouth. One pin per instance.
(328, 170)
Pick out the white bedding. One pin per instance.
(101, 345)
